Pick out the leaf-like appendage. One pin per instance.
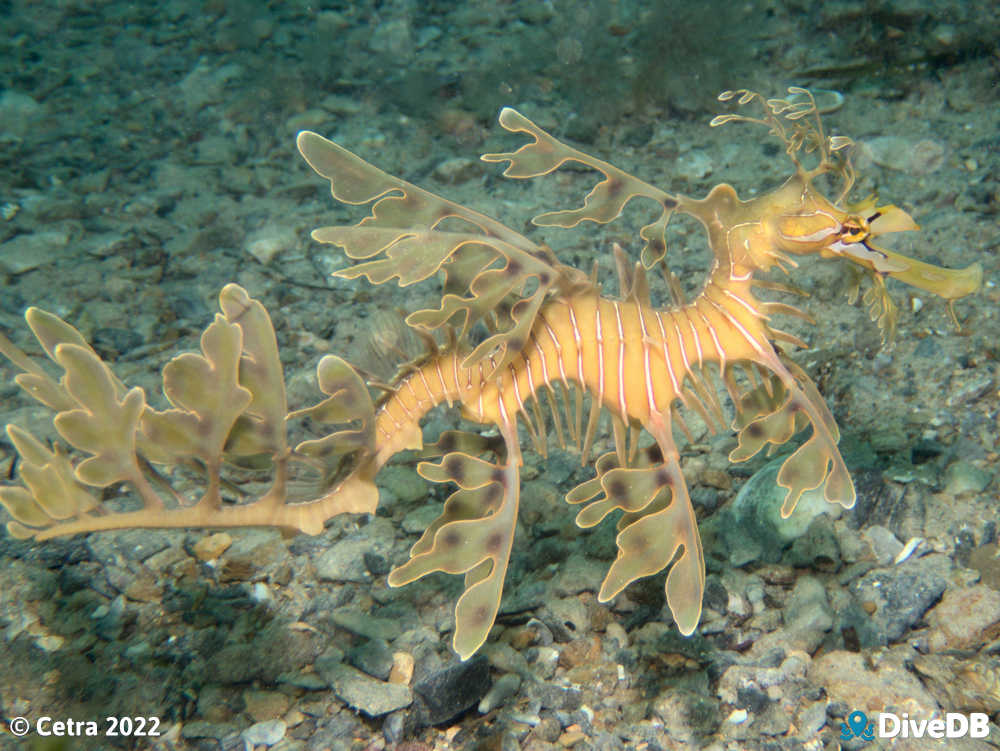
(230, 399)
(775, 427)
(403, 229)
(261, 427)
(21, 504)
(606, 200)
(50, 331)
(815, 462)
(881, 308)
(51, 484)
(630, 489)
(348, 401)
(658, 521)
(468, 472)
(206, 390)
(472, 536)
(104, 425)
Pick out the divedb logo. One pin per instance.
(890, 725)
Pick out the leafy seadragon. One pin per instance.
(549, 331)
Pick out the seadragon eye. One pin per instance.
(855, 230)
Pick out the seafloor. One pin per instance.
(148, 159)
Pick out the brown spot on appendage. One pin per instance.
(492, 494)
(669, 203)
(497, 475)
(451, 539)
(755, 430)
(544, 277)
(663, 477)
(455, 468)
(514, 268)
(614, 186)
(617, 489)
(494, 543)
(448, 442)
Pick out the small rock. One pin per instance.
(267, 242)
(264, 733)
(373, 657)
(910, 155)
(18, 111)
(851, 678)
(344, 561)
(808, 614)
(27, 252)
(364, 693)
(962, 477)
(367, 625)
(902, 594)
(456, 171)
(693, 165)
(402, 668)
(986, 560)
(265, 705)
(404, 483)
(751, 527)
(211, 547)
(205, 83)
(447, 693)
(505, 687)
(884, 545)
(965, 618)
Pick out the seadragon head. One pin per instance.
(799, 220)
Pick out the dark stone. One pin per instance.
(924, 451)
(444, 695)
(716, 596)
(902, 594)
(377, 565)
(551, 696)
(817, 548)
(111, 342)
(752, 699)
(373, 657)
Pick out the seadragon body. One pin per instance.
(552, 337)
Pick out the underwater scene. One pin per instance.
(499, 376)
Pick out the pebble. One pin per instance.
(963, 477)
(211, 547)
(362, 692)
(913, 156)
(902, 594)
(18, 111)
(269, 241)
(265, 705)
(457, 170)
(503, 688)
(884, 545)
(344, 560)
(364, 624)
(265, 733)
(966, 618)
(446, 693)
(31, 251)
